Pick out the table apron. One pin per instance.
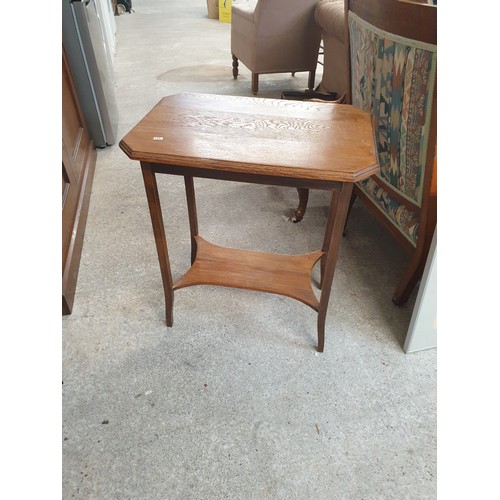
(245, 177)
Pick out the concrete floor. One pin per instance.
(233, 401)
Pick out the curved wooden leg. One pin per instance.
(160, 239)
(413, 272)
(235, 67)
(301, 209)
(333, 236)
(408, 282)
(255, 83)
(410, 278)
(312, 76)
(417, 263)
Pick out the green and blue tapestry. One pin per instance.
(393, 79)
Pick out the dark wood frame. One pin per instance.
(76, 193)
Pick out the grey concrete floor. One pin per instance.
(233, 401)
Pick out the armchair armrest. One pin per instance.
(244, 9)
(330, 16)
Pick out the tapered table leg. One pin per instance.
(160, 239)
(235, 67)
(328, 235)
(193, 217)
(333, 236)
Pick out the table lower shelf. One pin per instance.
(288, 275)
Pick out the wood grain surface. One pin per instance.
(288, 275)
(281, 138)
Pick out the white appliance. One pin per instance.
(88, 37)
(105, 11)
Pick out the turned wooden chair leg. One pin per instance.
(235, 67)
(301, 209)
(255, 83)
(312, 76)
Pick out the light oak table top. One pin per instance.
(307, 140)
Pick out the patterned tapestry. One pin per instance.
(393, 79)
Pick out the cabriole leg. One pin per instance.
(301, 209)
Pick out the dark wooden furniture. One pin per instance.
(416, 21)
(265, 141)
(78, 165)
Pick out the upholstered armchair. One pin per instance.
(392, 66)
(275, 36)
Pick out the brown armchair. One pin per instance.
(275, 36)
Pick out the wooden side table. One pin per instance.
(265, 141)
